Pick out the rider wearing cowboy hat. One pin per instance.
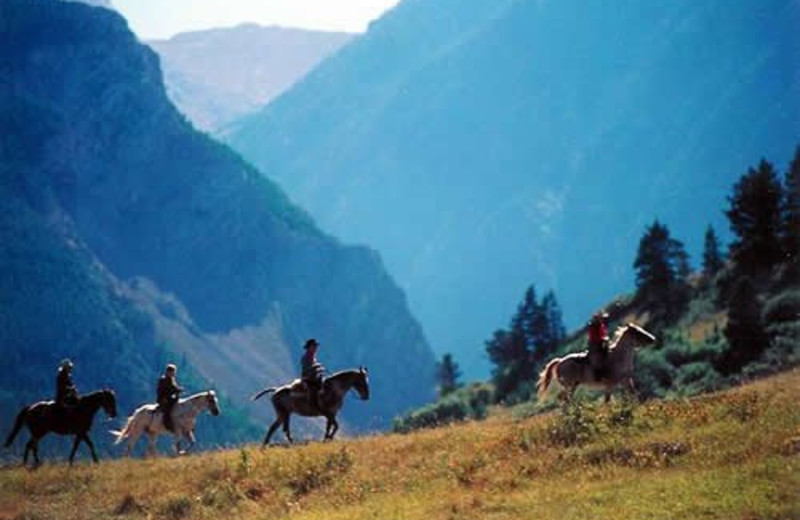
(167, 394)
(597, 329)
(66, 391)
(313, 371)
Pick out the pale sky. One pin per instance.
(159, 19)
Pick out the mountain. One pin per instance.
(129, 238)
(218, 75)
(484, 147)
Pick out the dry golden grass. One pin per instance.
(734, 455)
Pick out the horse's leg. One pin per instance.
(192, 439)
(272, 429)
(178, 437)
(607, 391)
(151, 444)
(335, 428)
(35, 446)
(75, 445)
(286, 430)
(28, 449)
(328, 428)
(89, 443)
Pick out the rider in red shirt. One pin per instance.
(598, 343)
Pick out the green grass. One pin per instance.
(732, 455)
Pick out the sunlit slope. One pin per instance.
(729, 455)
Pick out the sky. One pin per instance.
(161, 19)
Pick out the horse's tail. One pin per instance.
(17, 426)
(546, 377)
(261, 393)
(121, 435)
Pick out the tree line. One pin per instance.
(755, 282)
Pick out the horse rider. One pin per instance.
(167, 394)
(312, 372)
(597, 332)
(66, 391)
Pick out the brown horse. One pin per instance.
(286, 401)
(575, 369)
(45, 417)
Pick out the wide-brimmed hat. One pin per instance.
(310, 343)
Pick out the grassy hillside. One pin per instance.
(730, 455)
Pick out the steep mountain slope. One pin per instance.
(226, 270)
(218, 75)
(486, 146)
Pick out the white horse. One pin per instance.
(148, 419)
(575, 369)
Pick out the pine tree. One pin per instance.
(553, 334)
(755, 219)
(791, 212)
(745, 332)
(448, 374)
(535, 332)
(662, 266)
(712, 257)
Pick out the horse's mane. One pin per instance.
(618, 332)
(197, 395)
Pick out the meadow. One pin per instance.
(730, 455)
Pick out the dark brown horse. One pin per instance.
(45, 417)
(286, 400)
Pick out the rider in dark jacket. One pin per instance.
(313, 372)
(167, 394)
(597, 329)
(66, 391)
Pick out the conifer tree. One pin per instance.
(755, 219)
(791, 213)
(448, 374)
(553, 334)
(662, 266)
(535, 332)
(712, 257)
(745, 332)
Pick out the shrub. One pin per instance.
(697, 377)
(470, 402)
(785, 307)
(654, 374)
(577, 424)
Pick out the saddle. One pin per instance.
(299, 389)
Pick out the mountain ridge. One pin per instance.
(212, 250)
(484, 159)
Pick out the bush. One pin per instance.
(577, 424)
(785, 307)
(678, 354)
(696, 378)
(470, 402)
(654, 374)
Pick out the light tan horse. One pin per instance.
(286, 401)
(573, 370)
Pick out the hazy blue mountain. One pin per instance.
(128, 238)
(218, 75)
(484, 146)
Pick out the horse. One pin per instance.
(286, 401)
(148, 419)
(575, 369)
(46, 416)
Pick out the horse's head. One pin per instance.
(212, 402)
(109, 403)
(361, 383)
(641, 336)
